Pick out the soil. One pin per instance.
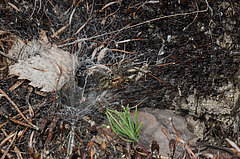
(185, 53)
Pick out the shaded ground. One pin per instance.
(201, 51)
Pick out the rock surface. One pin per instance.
(156, 122)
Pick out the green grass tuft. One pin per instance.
(123, 125)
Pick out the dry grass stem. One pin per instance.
(139, 24)
(16, 107)
(17, 84)
(17, 151)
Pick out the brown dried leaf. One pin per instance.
(101, 54)
(98, 68)
(42, 63)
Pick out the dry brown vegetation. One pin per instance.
(180, 56)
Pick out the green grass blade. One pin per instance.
(123, 124)
(138, 128)
(136, 117)
(116, 124)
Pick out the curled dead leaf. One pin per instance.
(44, 64)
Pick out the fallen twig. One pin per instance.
(16, 107)
(6, 139)
(1, 125)
(19, 122)
(17, 84)
(139, 24)
(18, 152)
(59, 31)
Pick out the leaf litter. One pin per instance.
(43, 63)
(159, 96)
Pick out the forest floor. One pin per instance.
(174, 59)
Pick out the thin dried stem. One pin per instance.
(14, 146)
(139, 24)
(18, 110)
(5, 153)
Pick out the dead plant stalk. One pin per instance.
(18, 110)
(139, 24)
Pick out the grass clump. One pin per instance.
(123, 124)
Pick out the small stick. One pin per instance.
(165, 132)
(70, 18)
(1, 125)
(30, 145)
(78, 138)
(180, 62)
(171, 122)
(24, 112)
(19, 122)
(55, 93)
(22, 134)
(55, 34)
(124, 51)
(128, 40)
(8, 155)
(157, 78)
(108, 39)
(31, 112)
(91, 145)
(17, 84)
(6, 139)
(139, 24)
(15, 7)
(186, 146)
(165, 64)
(180, 140)
(17, 151)
(83, 25)
(16, 107)
(53, 5)
(185, 28)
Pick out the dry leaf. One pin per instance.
(42, 63)
(101, 54)
(20, 50)
(95, 51)
(98, 68)
(144, 69)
